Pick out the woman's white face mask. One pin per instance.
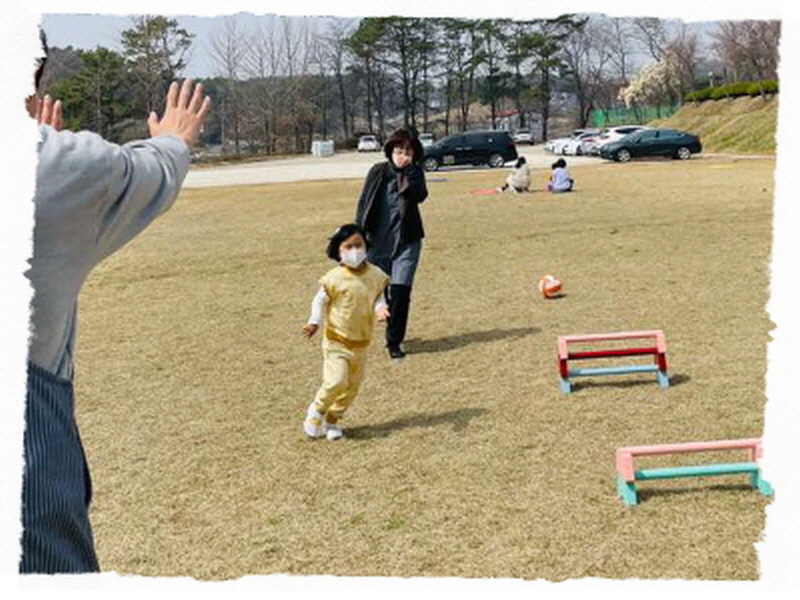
(353, 257)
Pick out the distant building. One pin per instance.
(510, 120)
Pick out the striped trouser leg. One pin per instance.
(56, 488)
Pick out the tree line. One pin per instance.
(277, 86)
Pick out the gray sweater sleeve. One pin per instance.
(144, 178)
(91, 198)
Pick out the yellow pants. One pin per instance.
(342, 371)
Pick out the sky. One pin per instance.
(87, 31)
(778, 554)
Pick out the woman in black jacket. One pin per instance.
(389, 213)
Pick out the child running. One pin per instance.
(350, 295)
(560, 180)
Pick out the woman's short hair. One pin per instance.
(560, 164)
(407, 138)
(520, 161)
(340, 235)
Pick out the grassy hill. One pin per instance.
(744, 125)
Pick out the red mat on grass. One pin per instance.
(486, 192)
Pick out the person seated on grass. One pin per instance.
(351, 296)
(520, 178)
(560, 180)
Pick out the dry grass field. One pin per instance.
(465, 459)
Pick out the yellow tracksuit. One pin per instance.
(349, 321)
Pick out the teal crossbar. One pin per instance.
(613, 370)
(696, 471)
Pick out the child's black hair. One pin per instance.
(340, 235)
(520, 161)
(559, 164)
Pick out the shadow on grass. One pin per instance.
(645, 495)
(677, 379)
(459, 419)
(418, 346)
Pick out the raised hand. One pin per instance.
(184, 114)
(45, 111)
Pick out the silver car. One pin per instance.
(426, 139)
(523, 136)
(368, 143)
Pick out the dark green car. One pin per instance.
(653, 142)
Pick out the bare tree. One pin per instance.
(493, 37)
(684, 47)
(615, 35)
(264, 66)
(335, 51)
(586, 58)
(228, 50)
(295, 43)
(748, 49)
(319, 84)
(651, 32)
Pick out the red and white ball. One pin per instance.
(549, 285)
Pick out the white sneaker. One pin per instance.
(333, 431)
(313, 425)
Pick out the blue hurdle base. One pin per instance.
(760, 484)
(626, 490)
(661, 376)
(663, 379)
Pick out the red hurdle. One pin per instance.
(657, 349)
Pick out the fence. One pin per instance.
(630, 116)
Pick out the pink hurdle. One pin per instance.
(627, 475)
(626, 454)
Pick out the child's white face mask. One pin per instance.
(353, 257)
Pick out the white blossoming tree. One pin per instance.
(656, 83)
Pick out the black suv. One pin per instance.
(494, 148)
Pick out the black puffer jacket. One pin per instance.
(412, 190)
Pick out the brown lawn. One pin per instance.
(465, 459)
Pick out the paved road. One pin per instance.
(344, 165)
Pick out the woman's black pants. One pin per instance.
(398, 300)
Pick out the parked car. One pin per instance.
(575, 145)
(653, 142)
(557, 145)
(589, 143)
(494, 148)
(426, 139)
(523, 136)
(368, 143)
(612, 134)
